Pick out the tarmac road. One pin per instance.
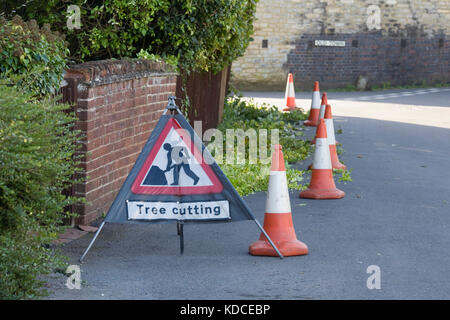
(396, 215)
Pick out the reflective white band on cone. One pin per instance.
(322, 158)
(291, 92)
(316, 101)
(277, 200)
(322, 112)
(330, 131)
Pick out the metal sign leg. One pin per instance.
(92, 241)
(180, 225)
(268, 238)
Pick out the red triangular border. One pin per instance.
(136, 187)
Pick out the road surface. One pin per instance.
(396, 216)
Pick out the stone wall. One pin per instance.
(118, 104)
(397, 41)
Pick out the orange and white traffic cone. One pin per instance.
(335, 163)
(290, 94)
(313, 119)
(322, 184)
(321, 113)
(278, 218)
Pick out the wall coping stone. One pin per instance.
(101, 72)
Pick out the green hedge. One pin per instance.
(36, 53)
(37, 162)
(202, 35)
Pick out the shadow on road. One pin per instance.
(437, 97)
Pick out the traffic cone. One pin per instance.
(290, 94)
(335, 163)
(322, 184)
(313, 119)
(278, 219)
(321, 113)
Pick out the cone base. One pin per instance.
(287, 248)
(338, 165)
(313, 119)
(280, 228)
(290, 108)
(311, 123)
(322, 194)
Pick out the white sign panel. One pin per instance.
(329, 43)
(200, 210)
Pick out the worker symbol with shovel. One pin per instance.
(177, 159)
(180, 159)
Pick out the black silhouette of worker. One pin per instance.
(179, 157)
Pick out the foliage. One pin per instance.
(170, 60)
(37, 53)
(37, 162)
(22, 260)
(202, 35)
(241, 114)
(253, 177)
(345, 174)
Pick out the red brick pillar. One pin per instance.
(118, 103)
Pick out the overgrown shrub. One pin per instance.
(36, 53)
(203, 35)
(239, 113)
(37, 162)
(252, 177)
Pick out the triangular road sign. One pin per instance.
(176, 178)
(175, 166)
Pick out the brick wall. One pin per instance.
(284, 31)
(118, 103)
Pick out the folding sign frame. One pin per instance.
(175, 178)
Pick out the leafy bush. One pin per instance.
(249, 178)
(202, 35)
(37, 53)
(245, 115)
(240, 114)
(22, 261)
(37, 162)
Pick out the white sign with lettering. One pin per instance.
(201, 210)
(329, 43)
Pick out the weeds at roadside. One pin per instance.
(250, 178)
(345, 175)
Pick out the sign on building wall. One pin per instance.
(329, 43)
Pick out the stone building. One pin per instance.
(338, 41)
